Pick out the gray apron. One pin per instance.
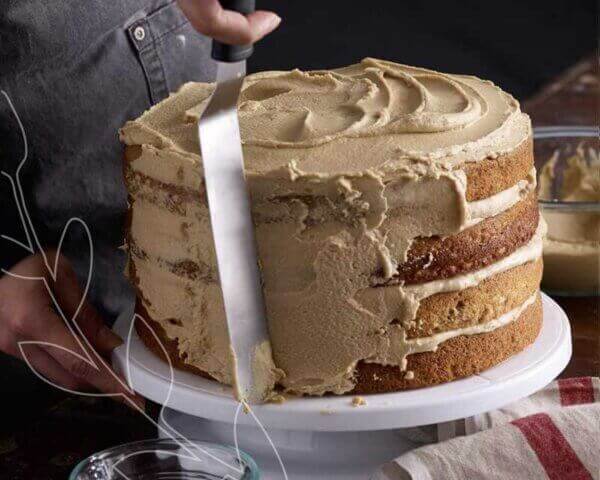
(76, 71)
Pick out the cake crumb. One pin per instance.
(429, 261)
(358, 402)
(326, 411)
(409, 375)
(276, 398)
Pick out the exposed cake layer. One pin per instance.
(357, 176)
(172, 223)
(477, 305)
(163, 345)
(498, 172)
(376, 321)
(189, 311)
(442, 257)
(194, 287)
(460, 356)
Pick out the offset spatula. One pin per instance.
(229, 205)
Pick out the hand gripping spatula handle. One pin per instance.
(221, 52)
(230, 214)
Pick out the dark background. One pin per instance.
(519, 45)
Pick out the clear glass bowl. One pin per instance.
(167, 459)
(572, 246)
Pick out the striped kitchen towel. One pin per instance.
(553, 434)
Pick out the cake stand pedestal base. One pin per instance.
(307, 455)
(328, 437)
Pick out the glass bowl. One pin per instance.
(172, 459)
(568, 172)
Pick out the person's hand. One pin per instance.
(212, 20)
(27, 314)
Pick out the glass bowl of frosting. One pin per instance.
(168, 458)
(568, 168)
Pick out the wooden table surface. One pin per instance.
(45, 442)
(574, 99)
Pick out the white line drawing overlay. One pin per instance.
(90, 356)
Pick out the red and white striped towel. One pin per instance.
(553, 434)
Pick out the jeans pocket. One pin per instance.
(170, 51)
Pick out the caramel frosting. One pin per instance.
(375, 115)
(345, 168)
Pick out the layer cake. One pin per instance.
(396, 220)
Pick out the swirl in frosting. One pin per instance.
(374, 115)
(311, 108)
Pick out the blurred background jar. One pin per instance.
(568, 165)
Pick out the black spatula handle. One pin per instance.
(233, 53)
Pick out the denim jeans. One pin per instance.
(75, 71)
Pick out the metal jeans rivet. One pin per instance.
(139, 33)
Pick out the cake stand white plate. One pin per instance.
(329, 437)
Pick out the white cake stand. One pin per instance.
(329, 437)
